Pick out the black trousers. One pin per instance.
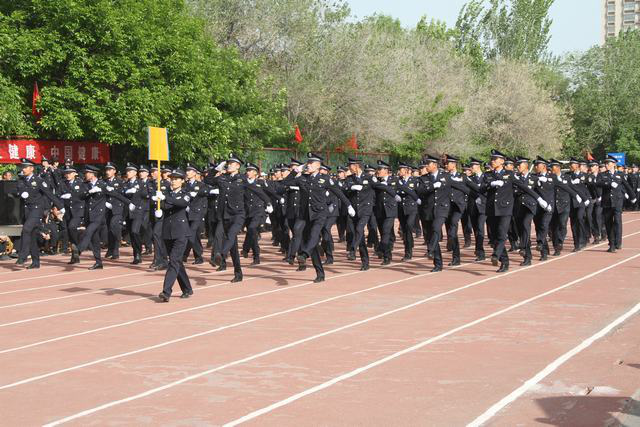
(578, 227)
(613, 224)
(500, 226)
(559, 228)
(310, 240)
(216, 233)
(358, 224)
(372, 236)
(159, 250)
(91, 239)
(597, 223)
(452, 231)
(542, 220)
(385, 227)
(176, 270)
(29, 240)
(194, 242)
(523, 220)
(297, 230)
(114, 236)
(435, 227)
(134, 226)
(407, 225)
(71, 225)
(327, 237)
(231, 227)
(478, 223)
(251, 239)
(341, 222)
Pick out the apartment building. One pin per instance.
(619, 15)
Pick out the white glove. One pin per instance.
(626, 196)
(24, 195)
(108, 205)
(351, 211)
(599, 199)
(221, 166)
(542, 202)
(542, 179)
(214, 191)
(282, 201)
(95, 189)
(437, 184)
(578, 198)
(160, 195)
(193, 194)
(158, 213)
(479, 201)
(548, 208)
(497, 183)
(294, 187)
(62, 211)
(269, 209)
(374, 179)
(132, 207)
(633, 202)
(575, 181)
(614, 184)
(65, 196)
(356, 187)
(131, 191)
(587, 202)
(330, 208)
(398, 198)
(110, 188)
(419, 202)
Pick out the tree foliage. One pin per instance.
(107, 69)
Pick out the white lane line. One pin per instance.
(40, 277)
(493, 410)
(106, 291)
(330, 332)
(218, 329)
(397, 354)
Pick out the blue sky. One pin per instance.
(576, 23)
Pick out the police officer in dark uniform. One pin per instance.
(147, 228)
(527, 207)
(578, 210)
(499, 186)
(386, 208)
(314, 205)
(175, 233)
(614, 187)
(36, 196)
(160, 256)
(458, 206)
(198, 192)
(407, 207)
(71, 191)
(215, 225)
(293, 206)
(332, 216)
(231, 187)
(595, 218)
(256, 211)
(95, 214)
(564, 196)
(137, 193)
(115, 204)
(359, 189)
(477, 208)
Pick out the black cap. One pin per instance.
(131, 167)
(573, 160)
(189, 166)
(143, 168)
(610, 159)
(164, 169)
(341, 169)
(554, 162)
(91, 168)
(294, 162)
(474, 161)
(593, 163)
(383, 165)
(44, 159)
(540, 161)
(509, 160)
(353, 161)
(466, 166)
(521, 160)
(235, 158)
(110, 165)
(325, 167)
(404, 165)
(452, 159)
(69, 168)
(497, 154)
(369, 168)
(430, 159)
(26, 162)
(313, 157)
(250, 166)
(177, 173)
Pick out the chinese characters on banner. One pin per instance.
(12, 150)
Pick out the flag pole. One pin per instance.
(159, 179)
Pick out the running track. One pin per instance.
(556, 343)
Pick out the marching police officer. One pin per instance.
(95, 217)
(198, 192)
(256, 211)
(137, 194)
(115, 203)
(72, 191)
(359, 189)
(407, 207)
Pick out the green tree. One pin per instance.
(107, 69)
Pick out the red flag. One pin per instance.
(36, 98)
(353, 143)
(590, 157)
(298, 135)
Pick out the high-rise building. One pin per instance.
(619, 15)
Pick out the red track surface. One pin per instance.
(392, 346)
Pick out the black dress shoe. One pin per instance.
(406, 258)
(236, 279)
(147, 252)
(114, 257)
(329, 261)
(544, 257)
(245, 254)
(557, 252)
(454, 263)
(74, 261)
(525, 263)
(96, 266)
(198, 261)
(351, 256)
(503, 268)
(611, 249)
(33, 266)
(159, 267)
(364, 267)
(223, 267)
(318, 280)
(217, 259)
(480, 258)
(436, 269)
(255, 262)
(20, 262)
(163, 297)
(136, 261)
(386, 261)
(302, 261)
(186, 295)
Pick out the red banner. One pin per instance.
(12, 150)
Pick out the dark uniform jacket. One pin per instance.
(95, 209)
(140, 198)
(40, 196)
(436, 202)
(578, 182)
(314, 194)
(613, 198)
(175, 225)
(500, 200)
(232, 194)
(75, 205)
(407, 190)
(198, 192)
(525, 200)
(386, 192)
(363, 200)
(459, 194)
(477, 201)
(115, 195)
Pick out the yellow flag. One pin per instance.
(158, 144)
